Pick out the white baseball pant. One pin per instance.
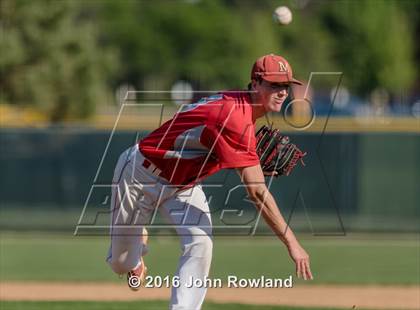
(136, 193)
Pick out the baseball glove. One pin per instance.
(276, 153)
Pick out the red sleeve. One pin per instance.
(232, 141)
(236, 150)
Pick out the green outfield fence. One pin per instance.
(351, 182)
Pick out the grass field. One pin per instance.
(144, 305)
(339, 260)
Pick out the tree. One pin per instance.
(51, 58)
(373, 44)
(161, 41)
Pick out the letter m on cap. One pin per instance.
(283, 67)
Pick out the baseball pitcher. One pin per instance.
(165, 168)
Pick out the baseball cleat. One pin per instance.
(136, 277)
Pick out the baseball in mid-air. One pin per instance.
(282, 15)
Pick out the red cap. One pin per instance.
(273, 68)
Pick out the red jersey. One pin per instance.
(214, 133)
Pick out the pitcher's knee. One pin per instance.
(200, 246)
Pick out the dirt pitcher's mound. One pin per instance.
(348, 297)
